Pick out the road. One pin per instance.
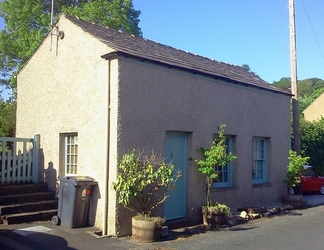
(298, 229)
(301, 229)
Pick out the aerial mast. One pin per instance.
(55, 31)
(293, 71)
(52, 13)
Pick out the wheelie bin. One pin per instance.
(74, 198)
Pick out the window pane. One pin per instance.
(259, 160)
(71, 153)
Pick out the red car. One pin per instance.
(311, 182)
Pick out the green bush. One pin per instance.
(295, 169)
(143, 181)
(312, 143)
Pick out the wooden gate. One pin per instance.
(19, 159)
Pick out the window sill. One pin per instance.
(221, 189)
(268, 184)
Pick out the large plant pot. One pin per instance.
(212, 218)
(293, 200)
(146, 230)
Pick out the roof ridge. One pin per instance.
(152, 50)
(156, 42)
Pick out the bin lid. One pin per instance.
(78, 180)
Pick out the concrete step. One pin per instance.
(25, 198)
(22, 188)
(28, 207)
(27, 217)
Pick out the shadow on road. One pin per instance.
(241, 228)
(36, 241)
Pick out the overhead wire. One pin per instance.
(319, 46)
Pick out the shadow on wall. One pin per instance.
(51, 178)
(95, 196)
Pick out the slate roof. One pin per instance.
(149, 50)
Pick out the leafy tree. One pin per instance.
(283, 83)
(7, 118)
(117, 14)
(246, 67)
(305, 101)
(27, 22)
(215, 156)
(319, 84)
(312, 143)
(308, 90)
(305, 87)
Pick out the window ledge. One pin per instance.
(221, 189)
(268, 184)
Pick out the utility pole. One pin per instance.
(293, 68)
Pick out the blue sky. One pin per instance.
(252, 32)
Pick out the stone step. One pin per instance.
(28, 207)
(22, 188)
(25, 198)
(27, 217)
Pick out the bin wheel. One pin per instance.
(55, 220)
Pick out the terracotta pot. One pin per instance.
(293, 200)
(146, 231)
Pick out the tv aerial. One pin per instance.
(55, 31)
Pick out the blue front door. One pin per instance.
(175, 152)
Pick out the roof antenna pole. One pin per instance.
(54, 28)
(52, 10)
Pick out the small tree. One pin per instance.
(214, 157)
(143, 181)
(295, 170)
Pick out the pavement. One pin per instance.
(42, 235)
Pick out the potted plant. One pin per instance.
(215, 156)
(143, 182)
(295, 169)
(216, 214)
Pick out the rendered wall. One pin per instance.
(132, 103)
(66, 90)
(155, 99)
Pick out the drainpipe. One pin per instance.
(106, 173)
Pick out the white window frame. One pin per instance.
(70, 153)
(225, 173)
(259, 160)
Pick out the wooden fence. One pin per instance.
(19, 159)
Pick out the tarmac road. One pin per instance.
(296, 230)
(299, 229)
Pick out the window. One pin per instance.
(259, 168)
(224, 178)
(70, 153)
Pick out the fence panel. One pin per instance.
(19, 159)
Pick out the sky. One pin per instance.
(251, 32)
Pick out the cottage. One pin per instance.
(315, 110)
(98, 93)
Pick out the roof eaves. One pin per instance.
(193, 70)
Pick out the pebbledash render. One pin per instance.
(97, 93)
